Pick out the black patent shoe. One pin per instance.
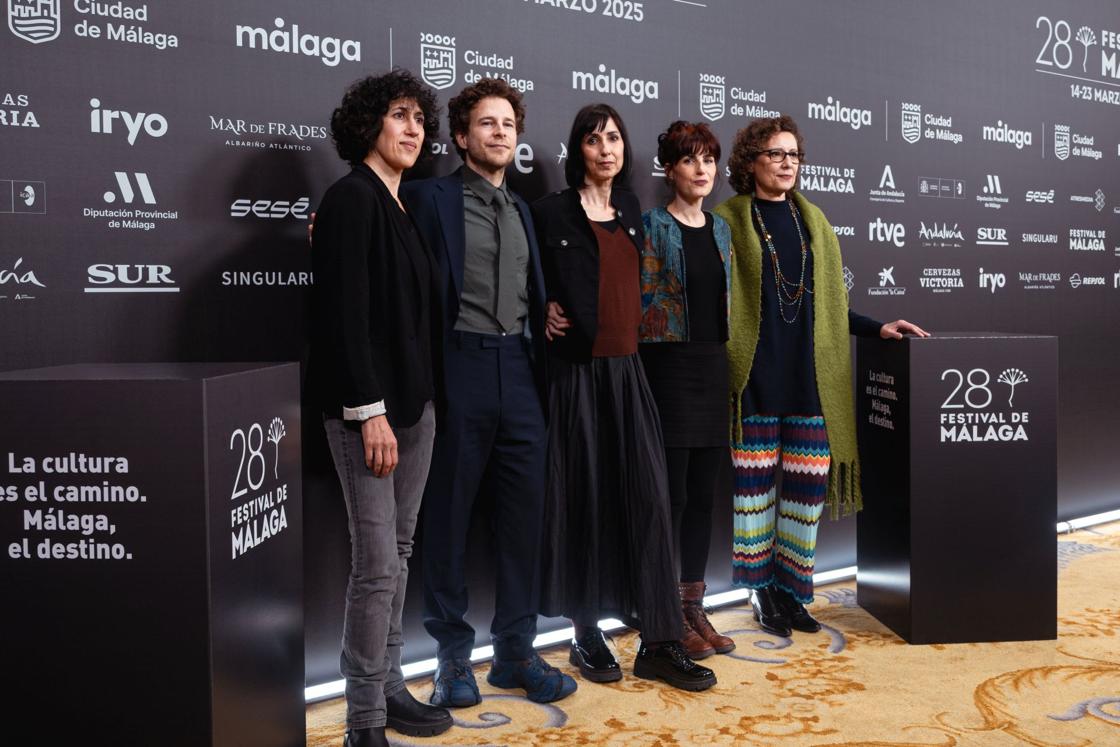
(373, 736)
(407, 715)
(769, 614)
(795, 612)
(591, 654)
(669, 662)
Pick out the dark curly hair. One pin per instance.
(750, 142)
(593, 118)
(459, 108)
(356, 123)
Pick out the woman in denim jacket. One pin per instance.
(686, 284)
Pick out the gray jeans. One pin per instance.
(382, 515)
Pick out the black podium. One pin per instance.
(956, 541)
(150, 529)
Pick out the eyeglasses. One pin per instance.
(778, 155)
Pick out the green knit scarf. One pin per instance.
(831, 351)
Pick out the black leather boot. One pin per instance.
(409, 716)
(591, 654)
(668, 662)
(373, 736)
(769, 614)
(795, 612)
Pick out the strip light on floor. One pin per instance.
(722, 599)
(1065, 527)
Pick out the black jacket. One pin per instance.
(368, 321)
(436, 205)
(570, 254)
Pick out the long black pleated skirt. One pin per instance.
(607, 549)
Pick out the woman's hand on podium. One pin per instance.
(899, 327)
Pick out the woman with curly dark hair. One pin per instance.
(371, 374)
(686, 279)
(790, 375)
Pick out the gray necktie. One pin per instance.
(509, 222)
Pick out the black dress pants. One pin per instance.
(492, 438)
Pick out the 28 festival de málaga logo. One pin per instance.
(974, 410)
(1082, 53)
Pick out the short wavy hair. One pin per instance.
(682, 139)
(356, 123)
(750, 142)
(459, 108)
(593, 118)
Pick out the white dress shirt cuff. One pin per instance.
(365, 412)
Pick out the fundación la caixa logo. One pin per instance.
(36, 21)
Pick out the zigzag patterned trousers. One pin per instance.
(775, 539)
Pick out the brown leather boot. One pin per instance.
(695, 646)
(692, 601)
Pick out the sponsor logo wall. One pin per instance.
(159, 161)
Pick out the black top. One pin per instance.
(704, 284)
(371, 303)
(570, 255)
(689, 379)
(783, 378)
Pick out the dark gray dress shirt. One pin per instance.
(496, 265)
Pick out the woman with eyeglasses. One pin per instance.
(790, 375)
(686, 279)
(607, 545)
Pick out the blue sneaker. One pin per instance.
(455, 685)
(541, 682)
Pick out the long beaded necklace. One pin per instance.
(786, 299)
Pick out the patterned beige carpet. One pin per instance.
(855, 684)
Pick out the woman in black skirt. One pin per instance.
(686, 293)
(607, 543)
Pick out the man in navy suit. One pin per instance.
(492, 402)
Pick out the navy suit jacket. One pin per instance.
(436, 206)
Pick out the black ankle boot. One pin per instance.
(374, 736)
(795, 612)
(409, 716)
(668, 662)
(591, 654)
(769, 614)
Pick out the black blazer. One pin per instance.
(571, 262)
(437, 207)
(367, 316)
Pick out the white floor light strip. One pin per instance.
(722, 599)
(1065, 527)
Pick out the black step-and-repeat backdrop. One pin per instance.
(159, 161)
